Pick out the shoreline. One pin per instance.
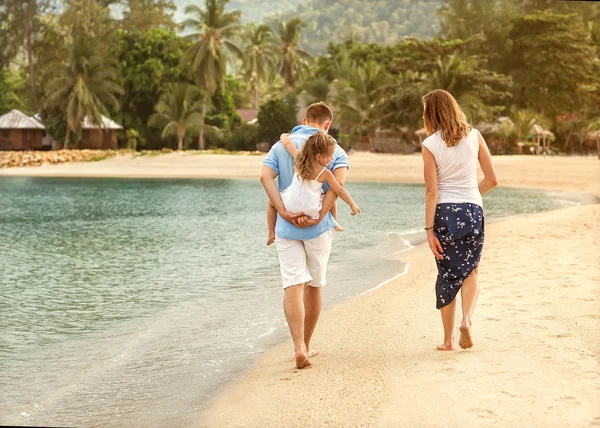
(358, 379)
(373, 389)
(375, 347)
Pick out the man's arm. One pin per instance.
(267, 178)
(328, 201)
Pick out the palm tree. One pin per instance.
(260, 56)
(212, 48)
(179, 108)
(450, 74)
(294, 59)
(358, 97)
(85, 85)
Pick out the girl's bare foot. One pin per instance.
(271, 238)
(445, 347)
(465, 340)
(338, 228)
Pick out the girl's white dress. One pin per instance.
(304, 196)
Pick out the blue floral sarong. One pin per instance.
(460, 229)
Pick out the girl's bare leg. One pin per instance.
(334, 213)
(271, 219)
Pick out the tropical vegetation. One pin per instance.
(175, 75)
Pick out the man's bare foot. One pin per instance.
(338, 228)
(465, 340)
(302, 361)
(445, 347)
(271, 238)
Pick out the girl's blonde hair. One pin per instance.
(442, 113)
(317, 144)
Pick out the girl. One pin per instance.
(454, 218)
(305, 194)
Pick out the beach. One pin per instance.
(536, 356)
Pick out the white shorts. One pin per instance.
(304, 262)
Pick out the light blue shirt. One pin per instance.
(280, 161)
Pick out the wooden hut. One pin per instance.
(20, 132)
(542, 136)
(103, 136)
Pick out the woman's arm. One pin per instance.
(431, 197)
(341, 192)
(489, 172)
(288, 145)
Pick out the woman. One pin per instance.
(454, 208)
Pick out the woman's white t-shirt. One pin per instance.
(456, 168)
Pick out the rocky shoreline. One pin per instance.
(38, 158)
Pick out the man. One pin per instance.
(303, 244)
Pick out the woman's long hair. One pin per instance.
(318, 144)
(442, 113)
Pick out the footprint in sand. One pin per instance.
(484, 413)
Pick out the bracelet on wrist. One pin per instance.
(428, 228)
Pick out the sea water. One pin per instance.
(128, 302)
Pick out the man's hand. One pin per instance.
(304, 221)
(291, 217)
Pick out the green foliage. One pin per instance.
(85, 85)
(178, 110)
(144, 15)
(294, 60)
(553, 58)
(211, 49)
(146, 61)
(275, 116)
(12, 87)
(243, 138)
(260, 56)
(132, 139)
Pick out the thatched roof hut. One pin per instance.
(103, 136)
(496, 127)
(543, 137)
(20, 132)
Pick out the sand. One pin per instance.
(536, 327)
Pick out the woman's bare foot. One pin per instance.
(271, 238)
(445, 347)
(312, 353)
(302, 361)
(465, 340)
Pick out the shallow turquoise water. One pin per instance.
(127, 302)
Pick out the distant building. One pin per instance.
(20, 132)
(103, 136)
(248, 115)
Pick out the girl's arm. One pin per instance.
(288, 145)
(341, 192)
(489, 172)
